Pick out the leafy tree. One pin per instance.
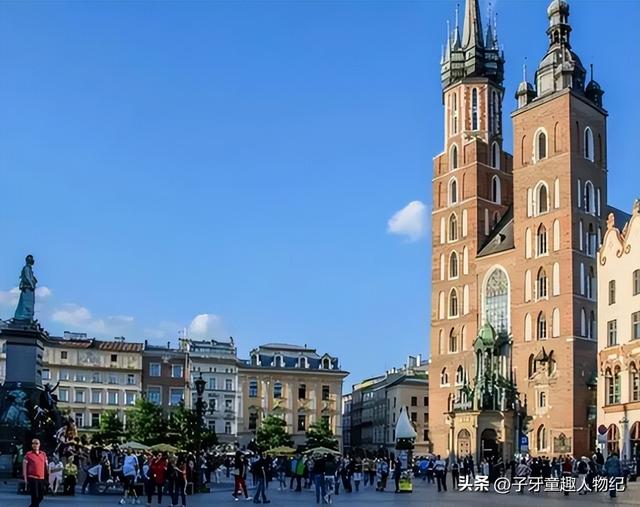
(320, 435)
(185, 429)
(273, 433)
(110, 430)
(147, 423)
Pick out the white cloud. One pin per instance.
(205, 325)
(82, 320)
(10, 297)
(410, 221)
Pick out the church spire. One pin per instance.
(456, 31)
(472, 30)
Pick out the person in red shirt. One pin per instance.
(157, 476)
(34, 470)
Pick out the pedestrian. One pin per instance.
(55, 474)
(397, 474)
(181, 471)
(34, 471)
(157, 476)
(318, 478)
(330, 469)
(130, 469)
(567, 471)
(259, 471)
(440, 469)
(239, 484)
(357, 474)
(455, 473)
(612, 469)
(522, 470)
(69, 477)
(582, 468)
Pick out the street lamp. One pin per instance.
(200, 385)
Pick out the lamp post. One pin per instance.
(200, 385)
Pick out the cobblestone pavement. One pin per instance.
(422, 494)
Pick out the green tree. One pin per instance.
(111, 430)
(320, 435)
(147, 423)
(273, 433)
(187, 431)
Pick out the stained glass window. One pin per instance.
(497, 301)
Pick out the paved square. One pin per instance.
(423, 494)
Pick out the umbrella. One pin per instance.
(136, 446)
(282, 451)
(322, 450)
(164, 448)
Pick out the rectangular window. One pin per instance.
(112, 398)
(95, 420)
(96, 378)
(414, 417)
(212, 384)
(154, 395)
(227, 428)
(213, 404)
(154, 369)
(79, 420)
(302, 392)
(277, 390)
(253, 421)
(63, 394)
(228, 384)
(177, 371)
(425, 435)
(130, 398)
(414, 401)
(253, 389)
(635, 325)
(425, 418)
(79, 396)
(46, 374)
(325, 393)
(635, 385)
(612, 333)
(302, 422)
(96, 396)
(176, 396)
(228, 405)
(425, 402)
(113, 378)
(64, 355)
(212, 426)
(636, 282)
(114, 358)
(80, 376)
(612, 292)
(131, 379)
(64, 375)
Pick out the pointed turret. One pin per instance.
(472, 30)
(456, 33)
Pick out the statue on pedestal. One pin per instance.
(26, 303)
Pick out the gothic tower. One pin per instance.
(560, 188)
(472, 189)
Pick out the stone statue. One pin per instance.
(28, 282)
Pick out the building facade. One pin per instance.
(216, 362)
(513, 333)
(375, 405)
(293, 382)
(93, 376)
(166, 375)
(619, 336)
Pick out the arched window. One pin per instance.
(453, 303)
(591, 281)
(541, 284)
(540, 148)
(454, 115)
(496, 114)
(556, 279)
(496, 300)
(523, 151)
(463, 338)
(444, 377)
(553, 365)
(583, 322)
(588, 144)
(459, 375)
(439, 194)
(474, 109)
(496, 194)
(541, 438)
(453, 227)
(326, 364)
(532, 365)
(453, 161)
(441, 342)
(453, 191)
(593, 330)
(556, 193)
(495, 155)
(441, 308)
(542, 198)
(555, 323)
(591, 240)
(612, 385)
(453, 341)
(465, 261)
(613, 439)
(442, 267)
(541, 327)
(453, 265)
(542, 240)
(556, 141)
(527, 243)
(465, 215)
(588, 199)
(556, 235)
(443, 230)
(634, 384)
(527, 327)
(527, 285)
(542, 400)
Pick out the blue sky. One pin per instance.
(240, 162)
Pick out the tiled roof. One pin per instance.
(501, 237)
(91, 343)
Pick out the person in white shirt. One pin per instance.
(55, 474)
(130, 473)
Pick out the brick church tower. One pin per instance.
(514, 240)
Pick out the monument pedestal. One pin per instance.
(21, 395)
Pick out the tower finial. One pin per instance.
(524, 69)
(591, 68)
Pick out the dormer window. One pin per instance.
(278, 361)
(326, 363)
(254, 359)
(302, 362)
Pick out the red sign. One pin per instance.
(602, 429)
